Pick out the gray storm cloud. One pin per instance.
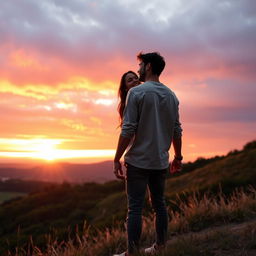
(81, 32)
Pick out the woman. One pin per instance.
(128, 80)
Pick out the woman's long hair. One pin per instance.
(122, 94)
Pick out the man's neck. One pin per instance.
(153, 78)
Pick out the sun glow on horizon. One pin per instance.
(60, 154)
(46, 149)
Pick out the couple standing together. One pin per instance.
(149, 124)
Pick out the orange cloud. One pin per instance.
(19, 58)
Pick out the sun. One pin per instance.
(46, 149)
(47, 153)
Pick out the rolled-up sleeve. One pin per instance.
(177, 126)
(130, 118)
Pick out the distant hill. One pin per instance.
(75, 173)
(61, 207)
(61, 172)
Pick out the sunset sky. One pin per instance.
(61, 63)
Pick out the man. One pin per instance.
(150, 125)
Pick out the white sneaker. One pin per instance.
(151, 250)
(122, 254)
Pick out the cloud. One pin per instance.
(81, 37)
(68, 113)
(78, 35)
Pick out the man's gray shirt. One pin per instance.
(151, 118)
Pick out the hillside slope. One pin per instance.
(234, 170)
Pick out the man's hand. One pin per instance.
(123, 142)
(176, 166)
(118, 170)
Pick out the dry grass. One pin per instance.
(195, 214)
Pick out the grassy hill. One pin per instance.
(237, 169)
(61, 210)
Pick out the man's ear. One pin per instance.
(148, 66)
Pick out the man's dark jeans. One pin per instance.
(136, 185)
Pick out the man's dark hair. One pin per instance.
(155, 59)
